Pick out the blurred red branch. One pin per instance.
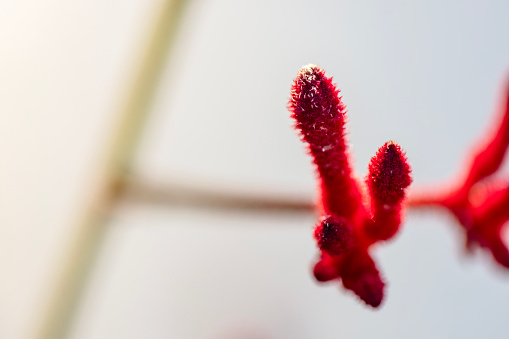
(478, 201)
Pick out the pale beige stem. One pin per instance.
(91, 229)
(176, 193)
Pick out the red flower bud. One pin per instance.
(389, 175)
(333, 235)
(326, 268)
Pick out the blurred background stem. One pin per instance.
(108, 182)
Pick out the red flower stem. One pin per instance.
(486, 159)
(495, 209)
(489, 156)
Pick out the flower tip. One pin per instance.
(308, 77)
(333, 235)
(371, 291)
(325, 269)
(368, 288)
(389, 173)
(500, 252)
(309, 71)
(312, 93)
(360, 275)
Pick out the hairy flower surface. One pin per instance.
(348, 228)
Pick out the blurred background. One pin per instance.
(151, 184)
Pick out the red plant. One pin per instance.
(353, 218)
(479, 202)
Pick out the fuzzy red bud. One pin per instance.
(360, 275)
(326, 268)
(389, 174)
(333, 235)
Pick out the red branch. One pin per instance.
(479, 202)
(348, 227)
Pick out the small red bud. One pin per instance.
(333, 235)
(388, 177)
(360, 275)
(389, 174)
(326, 269)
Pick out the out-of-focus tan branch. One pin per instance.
(104, 188)
(172, 193)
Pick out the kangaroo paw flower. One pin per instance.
(347, 228)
